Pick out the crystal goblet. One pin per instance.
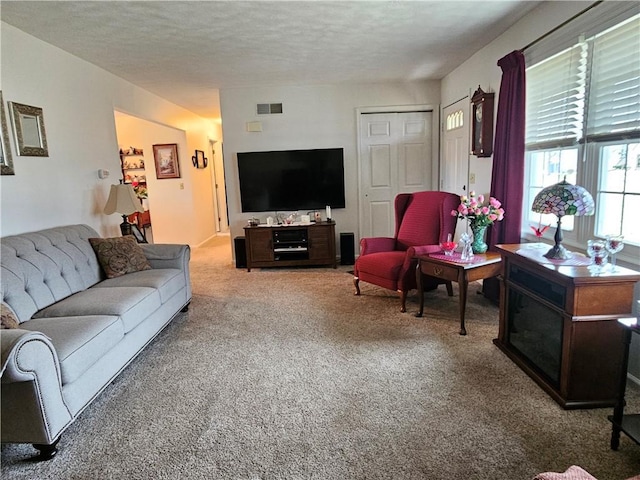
(614, 244)
(597, 250)
(448, 246)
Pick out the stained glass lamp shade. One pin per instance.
(563, 199)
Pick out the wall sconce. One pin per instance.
(199, 160)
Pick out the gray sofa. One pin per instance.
(77, 329)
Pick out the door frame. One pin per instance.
(435, 144)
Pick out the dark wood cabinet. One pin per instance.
(558, 322)
(260, 245)
(291, 245)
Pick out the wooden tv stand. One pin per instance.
(291, 245)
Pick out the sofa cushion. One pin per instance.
(168, 281)
(79, 341)
(131, 304)
(119, 255)
(7, 317)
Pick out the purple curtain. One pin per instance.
(507, 177)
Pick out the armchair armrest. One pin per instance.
(377, 244)
(413, 252)
(32, 388)
(423, 250)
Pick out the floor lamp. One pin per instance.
(122, 199)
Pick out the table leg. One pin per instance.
(618, 410)
(420, 289)
(463, 283)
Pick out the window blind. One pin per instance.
(555, 99)
(614, 97)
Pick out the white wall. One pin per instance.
(78, 101)
(169, 198)
(482, 68)
(313, 117)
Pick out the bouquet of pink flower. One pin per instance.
(477, 212)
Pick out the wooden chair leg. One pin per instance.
(403, 300)
(449, 289)
(356, 283)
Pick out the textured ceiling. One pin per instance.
(187, 51)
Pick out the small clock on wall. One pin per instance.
(482, 123)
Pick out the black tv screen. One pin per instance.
(291, 180)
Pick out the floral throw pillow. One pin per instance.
(119, 255)
(8, 319)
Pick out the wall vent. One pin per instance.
(269, 108)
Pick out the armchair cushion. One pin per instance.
(381, 268)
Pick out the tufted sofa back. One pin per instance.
(41, 268)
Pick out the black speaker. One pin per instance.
(347, 249)
(241, 252)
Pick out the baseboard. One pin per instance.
(633, 379)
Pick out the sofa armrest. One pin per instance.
(31, 387)
(164, 255)
(11, 341)
(377, 244)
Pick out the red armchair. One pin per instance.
(423, 220)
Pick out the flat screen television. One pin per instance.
(291, 180)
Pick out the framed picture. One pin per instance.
(166, 158)
(199, 160)
(28, 127)
(6, 163)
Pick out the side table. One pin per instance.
(629, 423)
(482, 266)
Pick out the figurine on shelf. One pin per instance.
(466, 254)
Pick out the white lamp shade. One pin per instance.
(122, 199)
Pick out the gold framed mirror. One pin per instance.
(6, 161)
(28, 126)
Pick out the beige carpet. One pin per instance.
(284, 374)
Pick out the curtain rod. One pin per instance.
(542, 37)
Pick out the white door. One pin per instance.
(395, 157)
(454, 164)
